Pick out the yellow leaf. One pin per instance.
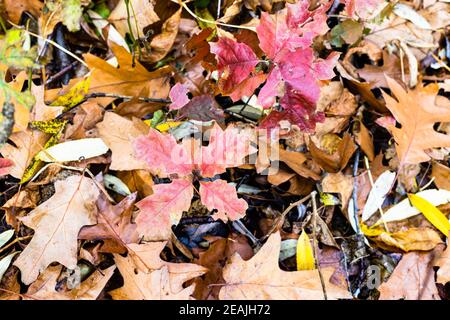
(74, 96)
(163, 127)
(371, 231)
(433, 214)
(305, 256)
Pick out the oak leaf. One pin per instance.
(260, 278)
(227, 148)
(443, 262)
(114, 224)
(162, 153)
(142, 13)
(148, 277)
(222, 196)
(162, 209)
(44, 288)
(417, 111)
(118, 134)
(56, 223)
(202, 108)
(412, 279)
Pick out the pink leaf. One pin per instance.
(162, 154)
(271, 89)
(235, 62)
(162, 209)
(178, 95)
(226, 149)
(362, 8)
(5, 166)
(324, 67)
(223, 197)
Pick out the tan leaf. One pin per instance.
(339, 183)
(130, 79)
(114, 224)
(27, 144)
(118, 134)
(41, 111)
(44, 288)
(147, 277)
(141, 14)
(56, 223)
(338, 160)
(260, 278)
(15, 8)
(163, 42)
(295, 160)
(417, 112)
(441, 175)
(412, 239)
(364, 139)
(443, 262)
(412, 279)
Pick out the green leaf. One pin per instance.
(349, 32)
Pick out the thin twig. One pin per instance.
(117, 96)
(315, 246)
(53, 43)
(60, 73)
(9, 245)
(285, 212)
(184, 5)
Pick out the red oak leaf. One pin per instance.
(226, 149)
(162, 154)
(236, 61)
(221, 196)
(162, 209)
(5, 165)
(178, 95)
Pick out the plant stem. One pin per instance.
(315, 246)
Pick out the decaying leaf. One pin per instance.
(45, 286)
(417, 112)
(412, 279)
(260, 278)
(56, 223)
(147, 277)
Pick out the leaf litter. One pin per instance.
(210, 149)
